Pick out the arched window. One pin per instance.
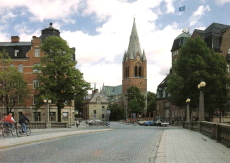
(137, 70)
(20, 67)
(127, 71)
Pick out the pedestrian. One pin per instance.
(22, 122)
(9, 120)
(77, 123)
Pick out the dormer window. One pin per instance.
(16, 53)
(98, 100)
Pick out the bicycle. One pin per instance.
(6, 130)
(19, 130)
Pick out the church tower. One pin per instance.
(134, 64)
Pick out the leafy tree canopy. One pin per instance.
(14, 89)
(117, 112)
(59, 79)
(197, 63)
(136, 101)
(151, 102)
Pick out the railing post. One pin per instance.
(218, 133)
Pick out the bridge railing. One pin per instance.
(217, 131)
(42, 125)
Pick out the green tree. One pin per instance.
(14, 90)
(136, 101)
(151, 102)
(198, 63)
(59, 80)
(117, 112)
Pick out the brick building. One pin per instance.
(217, 37)
(24, 56)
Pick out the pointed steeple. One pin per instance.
(144, 57)
(134, 44)
(124, 58)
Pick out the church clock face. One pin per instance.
(138, 58)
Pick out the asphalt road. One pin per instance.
(127, 143)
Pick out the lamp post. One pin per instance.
(188, 114)
(47, 102)
(108, 114)
(201, 101)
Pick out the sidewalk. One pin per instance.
(185, 146)
(59, 132)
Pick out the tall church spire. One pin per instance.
(134, 44)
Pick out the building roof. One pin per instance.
(50, 31)
(134, 44)
(112, 90)
(180, 40)
(97, 95)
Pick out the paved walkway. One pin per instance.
(185, 146)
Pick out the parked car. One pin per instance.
(149, 123)
(141, 122)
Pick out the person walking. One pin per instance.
(77, 123)
(22, 122)
(9, 120)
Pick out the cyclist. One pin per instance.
(9, 120)
(22, 122)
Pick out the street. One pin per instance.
(127, 143)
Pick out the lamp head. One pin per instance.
(202, 84)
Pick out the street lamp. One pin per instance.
(47, 102)
(108, 114)
(188, 114)
(201, 101)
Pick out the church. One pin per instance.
(134, 73)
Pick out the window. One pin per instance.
(103, 108)
(37, 53)
(16, 53)
(98, 100)
(35, 84)
(20, 67)
(53, 116)
(137, 70)
(103, 115)
(65, 116)
(36, 70)
(94, 112)
(37, 116)
(227, 68)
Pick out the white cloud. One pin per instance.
(100, 56)
(46, 9)
(198, 14)
(222, 2)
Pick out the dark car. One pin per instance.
(149, 123)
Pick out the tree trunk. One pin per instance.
(59, 113)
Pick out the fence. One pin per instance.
(217, 131)
(40, 125)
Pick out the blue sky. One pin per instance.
(100, 30)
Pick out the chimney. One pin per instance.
(15, 39)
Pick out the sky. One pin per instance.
(100, 30)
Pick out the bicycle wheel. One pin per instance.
(28, 131)
(19, 132)
(5, 132)
(13, 132)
